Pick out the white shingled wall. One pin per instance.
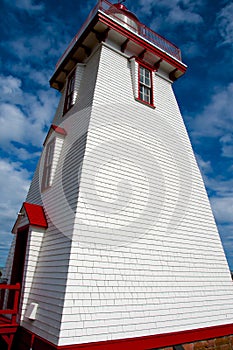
(59, 202)
(35, 238)
(146, 257)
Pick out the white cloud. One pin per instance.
(13, 191)
(176, 11)
(24, 116)
(40, 47)
(178, 15)
(14, 183)
(205, 166)
(10, 89)
(36, 75)
(192, 50)
(12, 125)
(226, 230)
(223, 209)
(221, 190)
(216, 118)
(226, 142)
(224, 22)
(37, 46)
(221, 203)
(24, 154)
(39, 77)
(9, 85)
(28, 5)
(226, 233)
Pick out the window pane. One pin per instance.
(71, 85)
(70, 100)
(142, 77)
(141, 92)
(145, 86)
(46, 180)
(147, 73)
(145, 77)
(145, 93)
(50, 153)
(147, 81)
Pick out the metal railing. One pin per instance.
(9, 302)
(142, 30)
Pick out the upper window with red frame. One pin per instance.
(70, 93)
(145, 92)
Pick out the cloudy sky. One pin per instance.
(34, 33)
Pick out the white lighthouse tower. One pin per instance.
(116, 246)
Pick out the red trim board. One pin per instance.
(139, 343)
(177, 64)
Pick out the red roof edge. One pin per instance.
(58, 129)
(35, 214)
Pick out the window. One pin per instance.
(70, 92)
(145, 85)
(48, 162)
(53, 146)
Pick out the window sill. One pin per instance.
(145, 103)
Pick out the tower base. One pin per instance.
(211, 338)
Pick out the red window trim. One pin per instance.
(151, 69)
(144, 64)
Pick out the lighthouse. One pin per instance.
(115, 246)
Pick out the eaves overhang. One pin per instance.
(70, 60)
(98, 29)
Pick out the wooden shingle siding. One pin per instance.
(131, 247)
(139, 269)
(33, 195)
(35, 238)
(51, 272)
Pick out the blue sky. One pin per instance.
(34, 34)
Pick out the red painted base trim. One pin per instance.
(140, 343)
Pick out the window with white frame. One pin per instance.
(145, 85)
(48, 162)
(70, 93)
(53, 146)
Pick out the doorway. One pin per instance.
(18, 262)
